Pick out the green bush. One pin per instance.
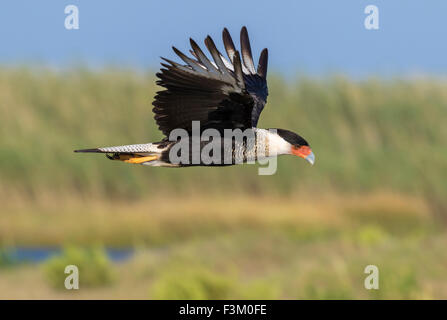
(320, 284)
(93, 264)
(193, 284)
(370, 235)
(200, 283)
(259, 289)
(400, 282)
(6, 258)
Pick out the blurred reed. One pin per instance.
(368, 135)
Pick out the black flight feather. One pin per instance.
(246, 51)
(262, 65)
(219, 96)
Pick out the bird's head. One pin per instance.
(298, 145)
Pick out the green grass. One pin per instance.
(254, 265)
(7, 259)
(92, 263)
(376, 195)
(367, 135)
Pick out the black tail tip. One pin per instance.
(88, 150)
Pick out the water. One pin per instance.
(40, 254)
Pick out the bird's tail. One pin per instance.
(134, 153)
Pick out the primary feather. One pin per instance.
(221, 94)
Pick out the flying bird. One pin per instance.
(217, 96)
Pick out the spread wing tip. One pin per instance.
(263, 63)
(247, 57)
(193, 90)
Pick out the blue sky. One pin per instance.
(313, 37)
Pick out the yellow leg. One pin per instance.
(140, 159)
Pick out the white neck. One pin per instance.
(277, 145)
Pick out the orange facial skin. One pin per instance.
(301, 151)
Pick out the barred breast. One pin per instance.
(238, 147)
(256, 146)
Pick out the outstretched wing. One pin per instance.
(221, 94)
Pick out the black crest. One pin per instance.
(292, 137)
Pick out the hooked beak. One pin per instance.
(304, 152)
